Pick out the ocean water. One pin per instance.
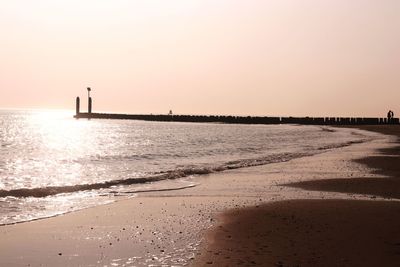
(51, 163)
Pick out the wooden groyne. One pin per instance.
(242, 119)
(233, 119)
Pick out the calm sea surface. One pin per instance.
(51, 163)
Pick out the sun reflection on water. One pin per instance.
(60, 131)
(52, 143)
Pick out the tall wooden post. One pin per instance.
(78, 104)
(89, 100)
(90, 105)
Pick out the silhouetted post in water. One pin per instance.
(392, 116)
(78, 104)
(89, 100)
(90, 105)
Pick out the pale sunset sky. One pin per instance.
(248, 57)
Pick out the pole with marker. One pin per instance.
(89, 100)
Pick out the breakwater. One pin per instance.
(232, 119)
(243, 119)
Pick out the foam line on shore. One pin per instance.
(167, 175)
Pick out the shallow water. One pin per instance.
(51, 163)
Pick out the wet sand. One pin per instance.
(169, 228)
(320, 232)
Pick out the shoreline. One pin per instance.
(168, 228)
(319, 232)
(161, 178)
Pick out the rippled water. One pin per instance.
(51, 163)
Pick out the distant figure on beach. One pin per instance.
(390, 116)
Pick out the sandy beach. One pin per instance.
(206, 225)
(308, 233)
(315, 232)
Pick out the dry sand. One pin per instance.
(308, 233)
(319, 232)
(168, 228)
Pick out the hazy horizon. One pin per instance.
(272, 58)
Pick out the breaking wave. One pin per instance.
(166, 175)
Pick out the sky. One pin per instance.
(247, 57)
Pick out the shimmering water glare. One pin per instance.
(51, 163)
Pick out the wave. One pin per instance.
(166, 175)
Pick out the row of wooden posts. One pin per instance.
(235, 119)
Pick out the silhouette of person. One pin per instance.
(392, 115)
(389, 115)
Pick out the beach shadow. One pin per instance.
(386, 164)
(380, 187)
(307, 233)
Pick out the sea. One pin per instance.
(51, 163)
